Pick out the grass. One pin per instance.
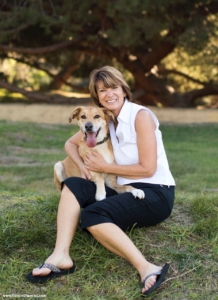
(28, 206)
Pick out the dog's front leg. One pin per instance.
(112, 183)
(100, 187)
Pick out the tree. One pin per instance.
(138, 35)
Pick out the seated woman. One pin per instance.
(140, 161)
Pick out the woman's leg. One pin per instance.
(108, 220)
(67, 222)
(116, 241)
(76, 193)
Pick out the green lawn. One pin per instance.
(28, 206)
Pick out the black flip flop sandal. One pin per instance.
(55, 272)
(160, 279)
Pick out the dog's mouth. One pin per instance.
(91, 138)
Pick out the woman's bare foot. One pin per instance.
(152, 279)
(61, 261)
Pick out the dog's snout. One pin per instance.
(89, 126)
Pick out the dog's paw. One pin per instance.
(138, 193)
(99, 197)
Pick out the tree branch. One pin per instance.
(37, 66)
(41, 50)
(75, 87)
(207, 90)
(163, 71)
(44, 98)
(162, 50)
(53, 8)
(22, 27)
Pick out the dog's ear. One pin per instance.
(109, 114)
(75, 113)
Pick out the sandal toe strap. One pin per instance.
(149, 275)
(51, 267)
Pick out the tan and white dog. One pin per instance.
(93, 122)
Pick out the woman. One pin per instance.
(141, 162)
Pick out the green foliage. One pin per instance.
(124, 19)
(123, 23)
(137, 34)
(198, 57)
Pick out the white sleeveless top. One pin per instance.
(126, 150)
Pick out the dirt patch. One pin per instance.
(59, 114)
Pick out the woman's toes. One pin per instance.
(41, 272)
(149, 283)
(55, 259)
(151, 280)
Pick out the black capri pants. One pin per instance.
(124, 210)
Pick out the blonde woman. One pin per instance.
(140, 161)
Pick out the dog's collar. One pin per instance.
(104, 140)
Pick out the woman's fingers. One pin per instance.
(84, 173)
(94, 161)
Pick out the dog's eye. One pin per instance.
(83, 117)
(96, 116)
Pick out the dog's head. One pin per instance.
(93, 121)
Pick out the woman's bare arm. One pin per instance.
(71, 148)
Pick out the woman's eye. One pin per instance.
(83, 117)
(115, 87)
(96, 116)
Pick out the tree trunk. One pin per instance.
(157, 92)
(62, 76)
(66, 73)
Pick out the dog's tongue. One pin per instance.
(91, 139)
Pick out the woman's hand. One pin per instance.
(95, 162)
(84, 172)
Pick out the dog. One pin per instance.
(93, 122)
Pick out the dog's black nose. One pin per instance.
(89, 126)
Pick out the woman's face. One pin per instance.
(111, 98)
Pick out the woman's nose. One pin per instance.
(110, 92)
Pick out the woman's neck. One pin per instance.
(117, 111)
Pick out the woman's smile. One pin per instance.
(111, 97)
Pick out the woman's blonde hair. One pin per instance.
(109, 77)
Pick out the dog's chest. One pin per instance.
(102, 149)
(106, 152)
